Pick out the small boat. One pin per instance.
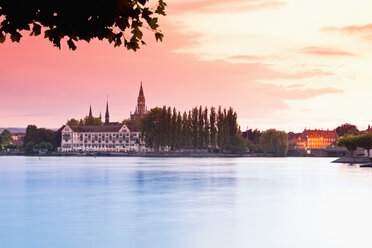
(369, 165)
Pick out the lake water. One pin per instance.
(184, 203)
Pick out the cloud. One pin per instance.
(295, 86)
(224, 6)
(297, 94)
(248, 57)
(363, 31)
(350, 29)
(244, 57)
(323, 51)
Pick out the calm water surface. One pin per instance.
(183, 203)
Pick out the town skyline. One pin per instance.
(101, 114)
(276, 64)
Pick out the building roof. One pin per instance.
(133, 128)
(330, 134)
(112, 127)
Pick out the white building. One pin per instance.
(112, 137)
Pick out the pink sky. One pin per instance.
(275, 66)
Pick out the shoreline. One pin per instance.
(153, 155)
(353, 160)
(159, 155)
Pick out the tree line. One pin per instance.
(352, 142)
(200, 129)
(87, 121)
(39, 138)
(5, 140)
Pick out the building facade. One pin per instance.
(109, 137)
(113, 137)
(141, 109)
(314, 139)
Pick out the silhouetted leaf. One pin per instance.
(71, 44)
(153, 23)
(2, 38)
(100, 19)
(36, 30)
(159, 36)
(15, 37)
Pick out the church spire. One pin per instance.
(100, 115)
(141, 109)
(141, 92)
(90, 111)
(107, 115)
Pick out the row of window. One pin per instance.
(99, 146)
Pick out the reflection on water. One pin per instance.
(178, 202)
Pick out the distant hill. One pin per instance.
(13, 129)
(19, 129)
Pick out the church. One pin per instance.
(110, 137)
(141, 109)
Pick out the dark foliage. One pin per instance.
(121, 22)
(347, 129)
(40, 135)
(196, 131)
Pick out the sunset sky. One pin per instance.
(286, 64)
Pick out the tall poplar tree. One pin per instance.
(194, 127)
(200, 128)
(178, 134)
(173, 128)
(213, 130)
(220, 129)
(206, 129)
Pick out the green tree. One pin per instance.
(120, 22)
(5, 137)
(133, 122)
(6, 134)
(226, 131)
(365, 141)
(275, 142)
(206, 132)
(213, 130)
(173, 129)
(49, 146)
(40, 136)
(168, 127)
(29, 148)
(152, 129)
(179, 130)
(31, 134)
(220, 129)
(347, 129)
(350, 142)
(194, 127)
(73, 122)
(185, 131)
(238, 144)
(200, 128)
(92, 121)
(41, 145)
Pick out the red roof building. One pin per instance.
(315, 139)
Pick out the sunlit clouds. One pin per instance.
(284, 64)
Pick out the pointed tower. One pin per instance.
(90, 111)
(100, 115)
(107, 115)
(141, 109)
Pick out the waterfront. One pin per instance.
(183, 202)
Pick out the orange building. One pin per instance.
(315, 139)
